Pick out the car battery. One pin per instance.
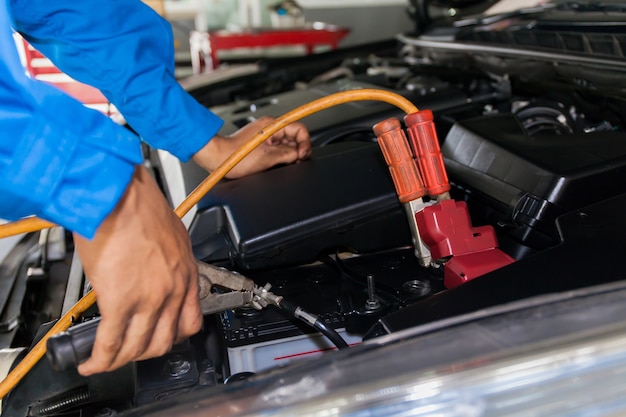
(257, 340)
(256, 357)
(521, 184)
(335, 290)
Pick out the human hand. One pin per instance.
(288, 145)
(142, 269)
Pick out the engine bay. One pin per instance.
(330, 235)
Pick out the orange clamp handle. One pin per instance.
(425, 144)
(397, 153)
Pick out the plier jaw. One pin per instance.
(233, 290)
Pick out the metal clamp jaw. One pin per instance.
(221, 289)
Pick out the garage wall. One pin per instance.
(369, 20)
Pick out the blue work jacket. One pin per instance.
(62, 161)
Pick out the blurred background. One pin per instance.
(365, 20)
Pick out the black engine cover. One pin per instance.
(341, 199)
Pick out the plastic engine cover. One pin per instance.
(524, 182)
(340, 199)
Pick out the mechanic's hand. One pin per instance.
(288, 145)
(145, 277)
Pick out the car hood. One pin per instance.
(577, 44)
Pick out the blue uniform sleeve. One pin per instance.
(126, 50)
(64, 162)
(58, 160)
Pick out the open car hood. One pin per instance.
(580, 44)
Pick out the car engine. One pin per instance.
(531, 130)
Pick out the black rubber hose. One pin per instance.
(315, 322)
(331, 334)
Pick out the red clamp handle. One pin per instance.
(404, 171)
(425, 144)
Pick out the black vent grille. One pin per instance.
(595, 44)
